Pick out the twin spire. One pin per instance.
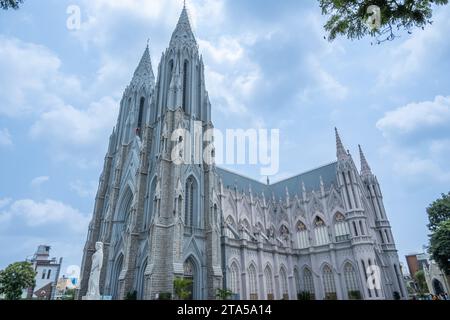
(182, 36)
(344, 155)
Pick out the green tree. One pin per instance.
(421, 282)
(181, 287)
(349, 17)
(15, 278)
(439, 211)
(440, 246)
(13, 4)
(224, 294)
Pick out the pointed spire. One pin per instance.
(340, 150)
(365, 168)
(144, 71)
(183, 35)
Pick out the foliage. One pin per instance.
(165, 296)
(304, 295)
(354, 295)
(181, 287)
(15, 278)
(439, 211)
(349, 17)
(13, 4)
(224, 294)
(421, 282)
(69, 295)
(440, 246)
(131, 296)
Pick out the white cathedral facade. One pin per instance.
(314, 235)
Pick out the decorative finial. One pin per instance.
(340, 150)
(365, 168)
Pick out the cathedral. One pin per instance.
(323, 234)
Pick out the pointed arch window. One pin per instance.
(234, 279)
(297, 280)
(140, 117)
(351, 282)
(190, 209)
(284, 284)
(302, 235)
(185, 85)
(308, 282)
(321, 232)
(252, 279)
(269, 283)
(341, 228)
(329, 284)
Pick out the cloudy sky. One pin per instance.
(267, 66)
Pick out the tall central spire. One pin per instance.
(144, 71)
(183, 35)
(340, 150)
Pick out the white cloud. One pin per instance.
(39, 181)
(84, 189)
(30, 75)
(67, 124)
(406, 59)
(415, 116)
(5, 137)
(48, 213)
(4, 202)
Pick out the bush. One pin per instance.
(354, 295)
(304, 295)
(131, 296)
(165, 296)
(396, 295)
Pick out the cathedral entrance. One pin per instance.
(191, 274)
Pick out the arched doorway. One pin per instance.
(191, 273)
(115, 277)
(437, 287)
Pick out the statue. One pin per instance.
(93, 292)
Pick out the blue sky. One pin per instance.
(267, 65)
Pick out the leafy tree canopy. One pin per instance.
(439, 211)
(7, 4)
(350, 17)
(440, 246)
(15, 278)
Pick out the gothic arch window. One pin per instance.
(269, 283)
(185, 85)
(297, 280)
(351, 282)
(308, 282)
(252, 279)
(387, 236)
(179, 205)
(341, 228)
(234, 279)
(302, 235)
(169, 77)
(329, 284)
(44, 272)
(190, 210)
(361, 228)
(284, 284)
(355, 229)
(199, 93)
(149, 209)
(124, 215)
(140, 117)
(215, 213)
(320, 232)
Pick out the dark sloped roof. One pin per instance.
(311, 179)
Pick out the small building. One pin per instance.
(47, 274)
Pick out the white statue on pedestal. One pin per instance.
(96, 267)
